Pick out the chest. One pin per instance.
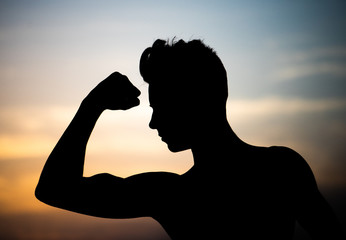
(224, 207)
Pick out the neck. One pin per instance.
(212, 146)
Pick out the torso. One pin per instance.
(249, 199)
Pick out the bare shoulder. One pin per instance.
(285, 153)
(293, 164)
(287, 156)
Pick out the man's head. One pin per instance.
(187, 89)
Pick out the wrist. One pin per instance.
(89, 106)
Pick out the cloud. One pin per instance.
(29, 131)
(302, 63)
(269, 106)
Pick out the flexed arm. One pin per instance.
(61, 183)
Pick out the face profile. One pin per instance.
(184, 80)
(173, 122)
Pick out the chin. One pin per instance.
(178, 147)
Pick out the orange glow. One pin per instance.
(17, 196)
(23, 146)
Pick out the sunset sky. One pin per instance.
(286, 65)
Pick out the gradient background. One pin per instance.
(286, 64)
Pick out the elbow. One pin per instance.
(54, 195)
(42, 194)
(46, 194)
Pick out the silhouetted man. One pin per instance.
(233, 191)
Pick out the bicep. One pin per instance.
(107, 196)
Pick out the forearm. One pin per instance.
(63, 171)
(65, 164)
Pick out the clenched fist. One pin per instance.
(116, 92)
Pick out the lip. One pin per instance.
(163, 138)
